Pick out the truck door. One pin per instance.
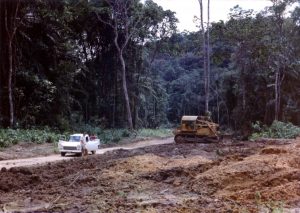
(88, 143)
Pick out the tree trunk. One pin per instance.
(9, 80)
(204, 54)
(126, 96)
(279, 73)
(9, 11)
(218, 105)
(243, 88)
(114, 103)
(277, 89)
(208, 59)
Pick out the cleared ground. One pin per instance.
(225, 177)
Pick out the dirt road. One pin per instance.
(52, 158)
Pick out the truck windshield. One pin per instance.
(74, 138)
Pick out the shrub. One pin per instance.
(114, 135)
(278, 129)
(9, 137)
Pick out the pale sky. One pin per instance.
(187, 9)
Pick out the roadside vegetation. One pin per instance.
(117, 135)
(10, 137)
(108, 136)
(278, 129)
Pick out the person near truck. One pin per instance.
(84, 140)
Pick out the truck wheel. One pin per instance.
(79, 154)
(63, 154)
(93, 152)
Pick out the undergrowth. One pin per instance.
(154, 133)
(10, 137)
(278, 129)
(108, 136)
(116, 135)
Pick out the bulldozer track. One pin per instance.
(194, 139)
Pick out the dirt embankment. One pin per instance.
(228, 177)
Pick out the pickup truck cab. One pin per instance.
(74, 144)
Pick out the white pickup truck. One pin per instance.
(74, 144)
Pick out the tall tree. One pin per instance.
(207, 80)
(206, 51)
(124, 20)
(10, 20)
(280, 60)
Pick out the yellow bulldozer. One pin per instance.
(195, 129)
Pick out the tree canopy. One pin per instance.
(76, 62)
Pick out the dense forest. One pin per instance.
(117, 63)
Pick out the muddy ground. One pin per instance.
(226, 177)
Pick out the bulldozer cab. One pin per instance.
(188, 123)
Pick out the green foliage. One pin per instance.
(10, 137)
(276, 130)
(113, 135)
(68, 73)
(89, 129)
(160, 132)
(116, 135)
